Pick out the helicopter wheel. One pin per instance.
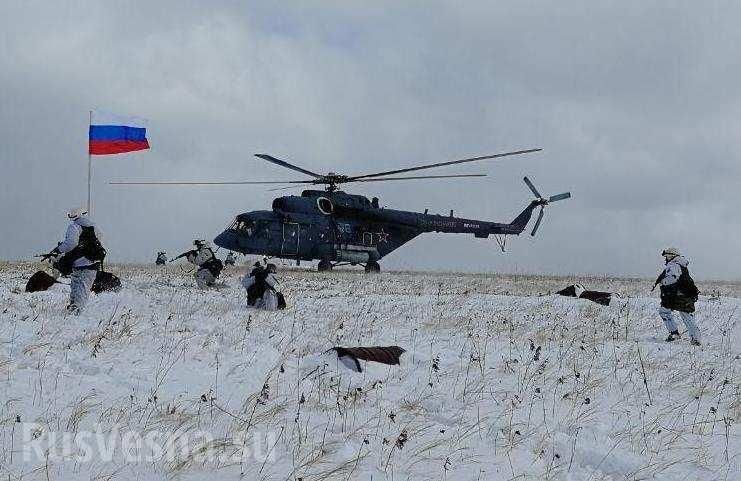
(324, 266)
(372, 267)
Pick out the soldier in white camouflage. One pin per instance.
(678, 294)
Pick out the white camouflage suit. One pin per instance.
(83, 269)
(269, 300)
(672, 271)
(204, 277)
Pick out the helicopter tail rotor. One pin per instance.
(543, 202)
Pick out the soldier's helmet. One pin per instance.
(670, 252)
(73, 214)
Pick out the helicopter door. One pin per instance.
(289, 247)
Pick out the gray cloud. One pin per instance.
(635, 103)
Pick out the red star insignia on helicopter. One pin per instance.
(382, 236)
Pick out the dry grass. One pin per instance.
(491, 386)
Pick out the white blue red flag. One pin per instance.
(116, 134)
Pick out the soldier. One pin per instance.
(256, 267)
(230, 260)
(209, 266)
(161, 258)
(81, 258)
(262, 288)
(678, 293)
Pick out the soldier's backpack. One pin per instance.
(90, 246)
(686, 284)
(87, 246)
(214, 266)
(258, 288)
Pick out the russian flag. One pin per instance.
(116, 134)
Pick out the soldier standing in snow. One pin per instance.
(81, 257)
(678, 293)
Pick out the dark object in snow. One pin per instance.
(105, 282)
(571, 291)
(349, 356)
(40, 281)
(603, 298)
(577, 290)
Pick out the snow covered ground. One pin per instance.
(162, 381)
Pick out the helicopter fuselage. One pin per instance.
(339, 227)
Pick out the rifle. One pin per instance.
(49, 255)
(658, 280)
(184, 254)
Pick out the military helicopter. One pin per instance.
(337, 228)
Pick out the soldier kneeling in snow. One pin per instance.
(678, 293)
(262, 288)
(209, 266)
(230, 260)
(161, 258)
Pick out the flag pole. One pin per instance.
(89, 166)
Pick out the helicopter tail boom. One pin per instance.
(482, 229)
(523, 219)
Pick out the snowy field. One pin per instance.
(500, 381)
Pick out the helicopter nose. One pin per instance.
(227, 240)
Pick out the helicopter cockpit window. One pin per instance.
(245, 226)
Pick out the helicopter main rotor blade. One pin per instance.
(420, 177)
(389, 178)
(287, 187)
(285, 164)
(441, 164)
(215, 183)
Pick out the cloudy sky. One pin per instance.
(637, 106)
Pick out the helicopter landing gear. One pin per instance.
(372, 267)
(324, 266)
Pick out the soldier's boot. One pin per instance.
(673, 336)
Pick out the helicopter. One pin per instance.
(337, 228)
